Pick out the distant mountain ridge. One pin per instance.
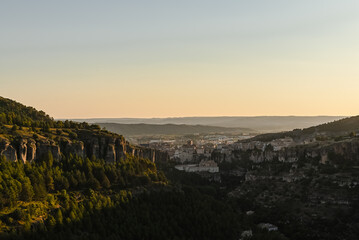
(259, 123)
(168, 129)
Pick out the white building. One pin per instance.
(270, 227)
(204, 166)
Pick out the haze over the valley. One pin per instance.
(258, 124)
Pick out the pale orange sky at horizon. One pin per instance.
(168, 59)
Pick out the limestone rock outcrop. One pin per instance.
(340, 151)
(8, 150)
(31, 150)
(109, 148)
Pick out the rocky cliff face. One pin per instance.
(110, 148)
(7, 150)
(327, 152)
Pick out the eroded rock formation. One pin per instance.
(109, 148)
(325, 152)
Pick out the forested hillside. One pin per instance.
(67, 180)
(12, 112)
(343, 125)
(340, 127)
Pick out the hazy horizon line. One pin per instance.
(244, 116)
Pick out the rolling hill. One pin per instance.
(335, 128)
(168, 129)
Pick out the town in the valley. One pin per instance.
(196, 153)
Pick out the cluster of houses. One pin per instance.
(188, 152)
(193, 157)
(204, 166)
(276, 144)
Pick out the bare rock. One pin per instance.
(7, 150)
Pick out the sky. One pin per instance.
(170, 58)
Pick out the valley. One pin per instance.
(57, 177)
